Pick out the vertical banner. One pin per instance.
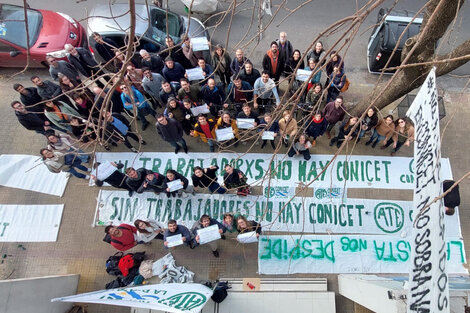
(428, 281)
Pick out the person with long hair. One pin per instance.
(60, 114)
(245, 226)
(301, 146)
(172, 175)
(65, 144)
(148, 230)
(317, 52)
(317, 126)
(226, 121)
(403, 136)
(206, 178)
(287, 127)
(230, 223)
(344, 131)
(58, 162)
(221, 61)
(383, 131)
(370, 121)
(293, 61)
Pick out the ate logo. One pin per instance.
(389, 217)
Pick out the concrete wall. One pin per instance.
(35, 294)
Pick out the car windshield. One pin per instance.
(12, 25)
(158, 29)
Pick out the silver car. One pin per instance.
(113, 21)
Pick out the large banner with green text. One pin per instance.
(280, 170)
(306, 215)
(345, 254)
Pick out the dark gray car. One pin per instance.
(151, 25)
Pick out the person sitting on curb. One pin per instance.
(122, 237)
(236, 179)
(206, 178)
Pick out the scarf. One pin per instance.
(59, 113)
(274, 60)
(319, 121)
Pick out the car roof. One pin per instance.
(100, 22)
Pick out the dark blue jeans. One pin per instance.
(179, 144)
(76, 163)
(215, 187)
(142, 112)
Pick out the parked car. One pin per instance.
(150, 25)
(48, 33)
(385, 36)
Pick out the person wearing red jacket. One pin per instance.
(123, 237)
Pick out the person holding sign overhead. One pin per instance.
(205, 222)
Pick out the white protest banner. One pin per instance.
(347, 171)
(104, 170)
(200, 109)
(245, 123)
(29, 173)
(208, 234)
(30, 223)
(428, 289)
(306, 215)
(177, 298)
(249, 237)
(345, 254)
(224, 134)
(194, 73)
(199, 43)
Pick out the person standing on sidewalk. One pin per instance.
(205, 128)
(206, 221)
(172, 132)
(131, 97)
(333, 113)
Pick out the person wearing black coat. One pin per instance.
(344, 131)
(30, 120)
(84, 62)
(370, 121)
(115, 179)
(317, 126)
(172, 132)
(135, 178)
(274, 62)
(104, 46)
(29, 96)
(249, 74)
(172, 175)
(153, 182)
(207, 178)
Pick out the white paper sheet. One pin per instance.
(104, 170)
(200, 109)
(224, 134)
(245, 123)
(195, 73)
(208, 234)
(199, 43)
(29, 173)
(174, 185)
(174, 241)
(268, 135)
(247, 237)
(302, 75)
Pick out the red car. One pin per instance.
(48, 32)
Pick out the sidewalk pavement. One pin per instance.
(80, 249)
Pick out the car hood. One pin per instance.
(196, 28)
(55, 32)
(99, 19)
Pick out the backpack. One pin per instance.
(112, 264)
(220, 292)
(346, 84)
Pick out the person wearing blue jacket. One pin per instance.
(130, 96)
(206, 221)
(213, 96)
(175, 229)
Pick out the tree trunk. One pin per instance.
(421, 49)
